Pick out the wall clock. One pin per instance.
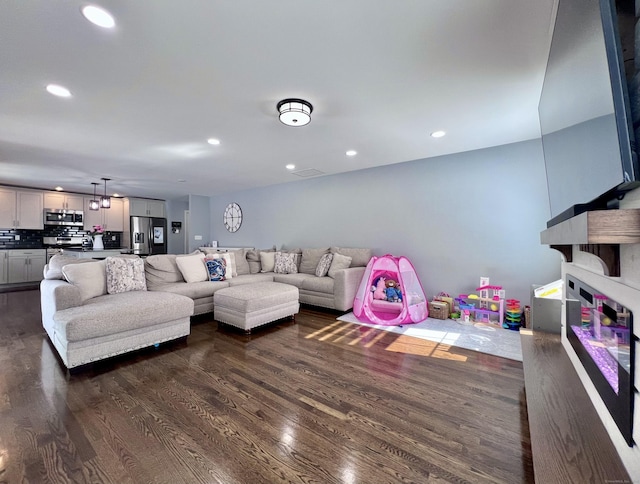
(232, 217)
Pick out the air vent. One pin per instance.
(308, 173)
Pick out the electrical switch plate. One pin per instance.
(198, 237)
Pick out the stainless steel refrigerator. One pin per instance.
(148, 235)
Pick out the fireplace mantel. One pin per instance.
(599, 232)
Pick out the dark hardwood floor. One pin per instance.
(320, 401)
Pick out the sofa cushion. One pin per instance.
(53, 270)
(192, 267)
(323, 266)
(89, 278)
(293, 279)
(338, 263)
(310, 259)
(162, 268)
(242, 266)
(114, 313)
(285, 263)
(267, 261)
(359, 257)
(318, 284)
(252, 278)
(125, 275)
(253, 259)
(194, 290)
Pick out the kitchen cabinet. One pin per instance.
(140, 207)
(25, 265)
(63, 201)
(21, 209)
(3, 266)
(112, 219)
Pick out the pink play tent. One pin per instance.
(410, 306)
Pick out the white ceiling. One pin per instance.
(147, 94)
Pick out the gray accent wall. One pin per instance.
(199, 221)
(175, 213)
(456, 217)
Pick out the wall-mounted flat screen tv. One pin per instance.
(585, 109)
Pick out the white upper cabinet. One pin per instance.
(112, 219)
(21, 209)
(63, 201)
(140, 207)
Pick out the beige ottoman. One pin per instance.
(249, 305)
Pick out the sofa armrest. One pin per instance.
(346, 283)
(56, 295)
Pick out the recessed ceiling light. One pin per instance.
(98, 16)
(351, 153)
(290, 167)
(57, 90)
(213, 141)
(117, 195)
(58, 189)
(438, 134)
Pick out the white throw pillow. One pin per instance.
(267, 261)
(338, 263)
(89, 278)
(124, 275)
(192, 267)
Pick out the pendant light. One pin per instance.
(105, 201)
(95, 203)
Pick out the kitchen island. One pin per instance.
(82, 253)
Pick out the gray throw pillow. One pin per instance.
(310, 259)
(359, 257)
(338, 263)
(324, 265)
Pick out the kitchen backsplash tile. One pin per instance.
(32, 239)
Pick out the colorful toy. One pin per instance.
(513, 315)
(392, 291)
(379, 289)
(411, 304)
(484, 306)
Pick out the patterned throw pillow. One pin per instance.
(323, 266)
(124, 275)
(285, 263)
(216, 268)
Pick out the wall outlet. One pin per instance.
(198, 237)
(16, 237)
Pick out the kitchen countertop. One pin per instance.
(86, 253)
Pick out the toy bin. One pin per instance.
(438, 310)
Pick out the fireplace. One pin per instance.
(600, 330)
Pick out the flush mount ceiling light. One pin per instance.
(98, 16)
(105, 201)
(57, 90)
(95, 203)
(295, 112)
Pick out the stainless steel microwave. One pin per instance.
(54, 216)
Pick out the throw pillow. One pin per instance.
(162, 268)
(253, 259)
(228, 272)
(285, 263)
(338, 263)
(89, 278)
(267, 261)
(192, 267)
(216, 269)
(124, 275)
(310, 259)
(324, 265)
(53, 270)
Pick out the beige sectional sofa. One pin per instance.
(91, 311)
(336, 290)
(86, 323)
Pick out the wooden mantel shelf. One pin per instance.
(599, 232)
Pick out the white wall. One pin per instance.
(175, 213)
(456, 217)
